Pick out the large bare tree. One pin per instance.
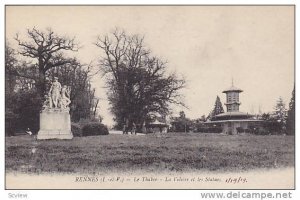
(46, 48)
(138, 83)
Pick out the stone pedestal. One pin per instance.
(55, 124)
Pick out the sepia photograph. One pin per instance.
(149, 97)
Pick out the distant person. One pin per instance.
(28, 131)
(133, 129)
(126, 126)
(124, 129)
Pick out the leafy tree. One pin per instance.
(182, 115)
(291, 115)
(270, 124)
(11, 64)
(137, 81)
(265, 116)
(181, 123)
(26, 109)
(21, 100)
(203, 118)
(280, 113)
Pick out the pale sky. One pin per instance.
(208, 45)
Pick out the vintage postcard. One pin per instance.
(149, 97)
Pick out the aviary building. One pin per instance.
(233, 121)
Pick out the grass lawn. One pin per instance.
(150, 153)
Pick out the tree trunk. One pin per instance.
(41, 83)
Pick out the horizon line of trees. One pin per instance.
(138, 86)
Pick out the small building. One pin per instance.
(157, 127)
(234, 121)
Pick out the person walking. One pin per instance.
(133, 130)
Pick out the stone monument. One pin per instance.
(55, 122)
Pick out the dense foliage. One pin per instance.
(290, 123)
(94, 128)
(29, 72)
(181, 123)
(218, 109)
(138, 83)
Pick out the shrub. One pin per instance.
(273, 127)
(255, 130)
(24, 107)
(240, 130)
(248, 130)
(94, 128)
(76, 130)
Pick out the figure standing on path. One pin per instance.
(133, 130)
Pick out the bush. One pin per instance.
(273, 127)
(240, 130)
(94, 128)
(76, 130)
(255, 130)
(24, 107)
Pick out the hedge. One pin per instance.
(94, 128)
(76, 130)
(88, 129)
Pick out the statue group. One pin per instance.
(55, 122)
(58, 97)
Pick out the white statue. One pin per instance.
(54, 92)
(58, 97)
(65, 97)
(48, 102)
(55, 119)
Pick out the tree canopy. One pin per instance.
(138, 83)
(27, 79)
(45, 49)
(291, 115)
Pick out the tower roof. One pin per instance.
(232, 89)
